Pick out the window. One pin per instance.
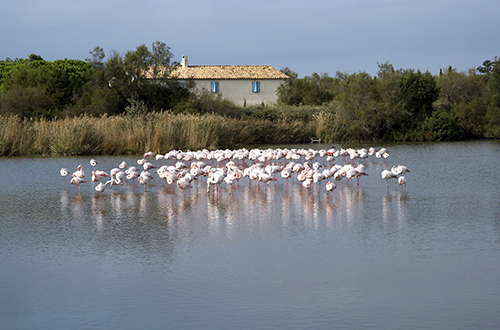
(255, 86)
(183, 84)
(215, 86)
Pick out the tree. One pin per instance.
(97, 57)
(417, 91)
(146, 76)
(311, 90)
(289, 91)
(456, 87)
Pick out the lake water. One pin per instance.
(284, 257)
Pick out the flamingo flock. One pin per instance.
(186, 170)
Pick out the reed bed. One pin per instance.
(157, 132)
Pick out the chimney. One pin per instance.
(184, 61)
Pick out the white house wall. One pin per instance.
(240, 91)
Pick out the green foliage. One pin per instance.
(314, 90)
(472, 117)
(401, 105)
(456, 87)
(417, 91)
(442, 125)
(72, 87)
(208, 103)
(492, 118)
(136, 108)
(37, 88)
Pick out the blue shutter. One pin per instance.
(215, 86)
(256, 86)
(183, 84)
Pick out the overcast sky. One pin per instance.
(306, 36)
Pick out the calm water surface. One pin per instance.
(275, 258)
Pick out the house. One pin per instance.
(242, 84)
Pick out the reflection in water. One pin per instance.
(393, 212)
(247, 209)
(97, 211)
(77, 207)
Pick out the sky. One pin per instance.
(314, 36)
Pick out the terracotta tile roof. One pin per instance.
(220, 72)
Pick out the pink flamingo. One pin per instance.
(77, 181)
(98, 175)
(79, 173)
(330, 186)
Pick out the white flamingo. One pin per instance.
(183, 183)
(215, 179)
(100, 187)
(144, 178)
(400, 169)
(64, 172)
(402, 181)
(387, 175)
(266, 178)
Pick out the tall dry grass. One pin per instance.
(157, 132)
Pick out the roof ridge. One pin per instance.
(212, 71)
(196, 65)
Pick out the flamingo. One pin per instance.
(120, 179)
(93, 162)
(402, 181)
(77, 181)
(307, 182)
(100, 187)
(79, 173)
(183, 183)
(114, 171)
(144, 179)
(400, 169)
(132, 175)
(160, 157)
(64, 172)
(386, 175)
(286, 173)
(339, 175)
(148, 165)
(98, 175)
(238, 174)
(360, 169)
(327, 173)
(229, 179)
(330, 186)
(215, 178)
(171, 177)
(264, 177)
